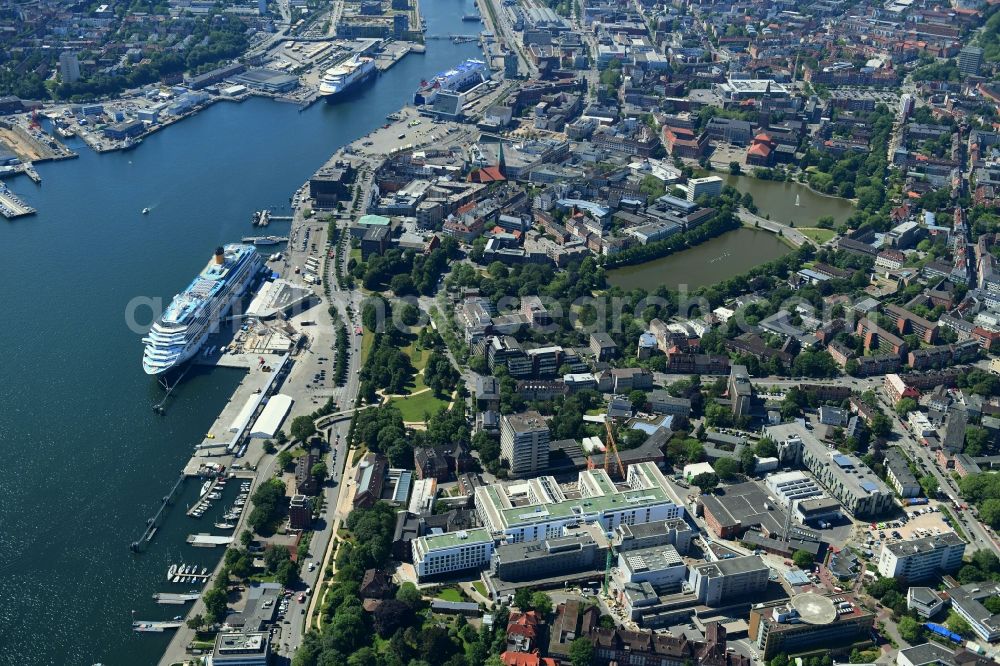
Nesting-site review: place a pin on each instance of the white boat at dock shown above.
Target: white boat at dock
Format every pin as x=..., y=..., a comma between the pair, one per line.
x=225, y=526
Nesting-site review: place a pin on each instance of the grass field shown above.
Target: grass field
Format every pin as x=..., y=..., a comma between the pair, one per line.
x=367, y=338
x=481, y=589
x=450, y=594
x=423, y=402
x=817, y=234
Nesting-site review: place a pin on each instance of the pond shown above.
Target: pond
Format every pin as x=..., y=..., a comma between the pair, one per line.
x=713, y=261
x=789, y=202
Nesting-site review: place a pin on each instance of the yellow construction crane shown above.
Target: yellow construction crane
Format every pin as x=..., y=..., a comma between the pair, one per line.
x=612, y=447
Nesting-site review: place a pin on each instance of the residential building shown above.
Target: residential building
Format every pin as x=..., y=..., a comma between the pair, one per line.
x=922, y=558
x=970, y=59
x=524, y=442
x=539, y=509
x=967, y=600
x=603, y=347
x=898, y=474
x=299, y=512
x=448, y=552
x=718, y=583
x=69, y=67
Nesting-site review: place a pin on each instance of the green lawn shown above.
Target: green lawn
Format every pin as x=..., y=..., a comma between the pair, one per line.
x=481, y=589
x=817, y=234
x=450, y=594
x=414, y=407
x=367, y=338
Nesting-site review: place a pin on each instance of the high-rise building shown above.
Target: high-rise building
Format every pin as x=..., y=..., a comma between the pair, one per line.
x=69, y=67
x=524, y=443
x=709, y=185
x=510, y=70
x=970, y=59
x=400, y=25
x=438, y=554
x=918, y=559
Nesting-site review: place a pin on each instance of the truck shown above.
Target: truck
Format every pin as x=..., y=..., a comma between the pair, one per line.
x=915, y=501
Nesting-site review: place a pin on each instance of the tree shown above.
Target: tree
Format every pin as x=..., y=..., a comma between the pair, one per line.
x=319, y=471
x=542, y=603
x=285, y=459
x=748, y=461
x=905, y=406
x=929, y=484
x=522, y=599
x=196, y=623
x=880, y=425
x=302, y=428
x=706, y=481
x=911, y=631
x=735, y=169
x=975, y=441
x=726, y=468
x=989, y=512
x=390, y=615
x=638, y=399
x=216, y=604
x=581, y=652
x=959, y=625
x=803, y=559
x=246, y=538
x=269, y=446
x=409, y=594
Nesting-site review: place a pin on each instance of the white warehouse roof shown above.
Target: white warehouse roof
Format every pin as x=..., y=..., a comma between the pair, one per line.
x=270, y=418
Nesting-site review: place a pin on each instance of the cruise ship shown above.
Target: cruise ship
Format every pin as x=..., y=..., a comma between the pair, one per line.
x=194, y=313
x=470, y=73
x=349, y=73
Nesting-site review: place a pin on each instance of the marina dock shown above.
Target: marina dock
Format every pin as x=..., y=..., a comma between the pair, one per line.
x=208, y=540
x=203, y=499
x=174, y=599
x=11, y=205
x=155, y=626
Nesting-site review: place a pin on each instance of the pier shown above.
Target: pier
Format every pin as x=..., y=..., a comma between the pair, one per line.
x=265, y=240
x=153, y=523
x=155, y=626
x=203, y=499
x=11, y=205
x=174, y=599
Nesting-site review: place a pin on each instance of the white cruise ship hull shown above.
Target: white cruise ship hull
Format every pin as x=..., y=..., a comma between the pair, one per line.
x=196, y=313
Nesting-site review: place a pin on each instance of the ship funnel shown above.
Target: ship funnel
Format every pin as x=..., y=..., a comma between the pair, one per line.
x=220, y=255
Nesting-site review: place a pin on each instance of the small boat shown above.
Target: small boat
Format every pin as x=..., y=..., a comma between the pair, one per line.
x=204, y=570
x=145, y=211
x=177, y=579
x=215, y=496
x=225, y=526
x=205, y=487
x=171, y=572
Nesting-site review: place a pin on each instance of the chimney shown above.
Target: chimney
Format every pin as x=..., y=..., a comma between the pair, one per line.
x=220, y=256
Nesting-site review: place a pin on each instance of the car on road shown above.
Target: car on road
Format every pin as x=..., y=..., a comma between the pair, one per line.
x=302, y=598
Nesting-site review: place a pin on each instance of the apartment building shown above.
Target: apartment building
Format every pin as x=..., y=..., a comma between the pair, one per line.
x=919, y=559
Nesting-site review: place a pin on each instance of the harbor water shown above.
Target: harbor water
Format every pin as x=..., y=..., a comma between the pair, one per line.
x=85, y=460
